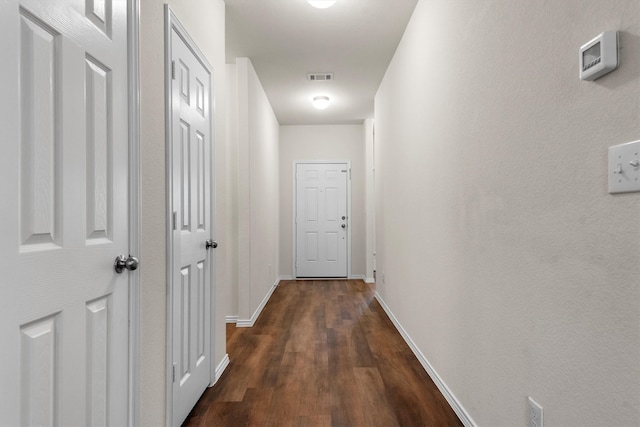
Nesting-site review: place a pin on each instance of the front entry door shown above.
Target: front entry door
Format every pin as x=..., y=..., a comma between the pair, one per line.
x=321, y=219
x=64, y=311
x=191, y=150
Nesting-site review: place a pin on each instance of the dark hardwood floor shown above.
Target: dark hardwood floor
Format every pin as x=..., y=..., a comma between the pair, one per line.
x=322, y=353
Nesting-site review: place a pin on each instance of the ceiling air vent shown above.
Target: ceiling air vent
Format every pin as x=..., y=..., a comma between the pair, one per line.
x=320, y=77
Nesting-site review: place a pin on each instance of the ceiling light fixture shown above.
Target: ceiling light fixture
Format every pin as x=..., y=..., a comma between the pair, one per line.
x=321, y=102
x=321, y=4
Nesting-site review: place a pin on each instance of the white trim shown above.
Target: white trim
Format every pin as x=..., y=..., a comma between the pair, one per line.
x=369, y=280
x=294, y=213
x=357, y=277
x=133, y=65
x=222, y=366
x=231, y=319
x=172, y=23
x=169, y=218
x=295, y=206
x=212, y=186
x=248, y=323
x=349, y=218
x=455, y=404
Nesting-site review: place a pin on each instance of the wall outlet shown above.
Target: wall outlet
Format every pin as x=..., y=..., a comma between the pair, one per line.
x=535, y=414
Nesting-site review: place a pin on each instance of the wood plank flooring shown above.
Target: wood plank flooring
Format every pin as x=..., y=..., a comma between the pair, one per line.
x=322, y=353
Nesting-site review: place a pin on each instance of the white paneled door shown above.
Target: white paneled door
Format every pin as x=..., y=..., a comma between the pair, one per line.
x=321, y=219
x=64, y=311
x=191, y=149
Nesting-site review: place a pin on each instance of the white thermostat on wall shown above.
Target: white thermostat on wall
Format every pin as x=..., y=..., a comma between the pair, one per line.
x=599, y=56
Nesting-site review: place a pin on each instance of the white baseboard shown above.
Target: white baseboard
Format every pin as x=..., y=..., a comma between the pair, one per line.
x=370, y=280
x=248, y=323
x=357, y=276
x=221, y=368
x=446, y=392
x=231, y=319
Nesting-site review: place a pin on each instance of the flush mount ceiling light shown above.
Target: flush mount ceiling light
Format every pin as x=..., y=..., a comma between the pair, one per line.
x=321, y=4
x=321, y=102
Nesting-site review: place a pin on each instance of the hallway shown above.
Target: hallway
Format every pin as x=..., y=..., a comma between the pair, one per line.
x=322, y=353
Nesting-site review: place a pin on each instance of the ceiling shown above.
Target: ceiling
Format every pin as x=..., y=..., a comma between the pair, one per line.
x=288, y=39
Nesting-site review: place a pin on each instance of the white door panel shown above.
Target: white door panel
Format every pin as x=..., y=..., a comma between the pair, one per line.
x=321, y=219
x=191, y=192
x=64, y=117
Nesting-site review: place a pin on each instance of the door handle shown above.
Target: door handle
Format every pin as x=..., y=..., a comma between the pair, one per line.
x=122, y=262
x=344, y=225
x=211, y=244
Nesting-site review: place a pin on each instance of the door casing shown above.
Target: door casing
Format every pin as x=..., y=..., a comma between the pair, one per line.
x=172, y=23
x=133, y=27
x=294, y=208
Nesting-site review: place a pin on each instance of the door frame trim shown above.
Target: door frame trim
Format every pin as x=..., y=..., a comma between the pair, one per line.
x=172, y=23
x=294, y=209
x=133, y=65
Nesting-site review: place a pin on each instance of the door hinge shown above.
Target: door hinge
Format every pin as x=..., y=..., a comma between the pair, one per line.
x=174, y=220
x=173, y=70
x=174, y=372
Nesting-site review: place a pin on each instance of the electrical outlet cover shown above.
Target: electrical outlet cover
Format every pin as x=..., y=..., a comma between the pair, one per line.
x=535, y=414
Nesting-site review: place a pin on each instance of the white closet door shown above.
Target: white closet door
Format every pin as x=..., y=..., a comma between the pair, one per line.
x=191, y=192
x=64, y=120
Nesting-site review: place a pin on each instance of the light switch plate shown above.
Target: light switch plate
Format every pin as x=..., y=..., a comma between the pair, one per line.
x=624, y=168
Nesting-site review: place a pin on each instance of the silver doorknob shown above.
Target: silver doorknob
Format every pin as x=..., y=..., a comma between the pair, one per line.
x=130, y=263
x=211, y=244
